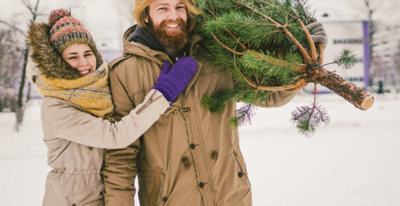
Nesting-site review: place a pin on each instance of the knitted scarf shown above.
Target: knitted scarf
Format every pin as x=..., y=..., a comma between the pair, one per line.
x=90, y=92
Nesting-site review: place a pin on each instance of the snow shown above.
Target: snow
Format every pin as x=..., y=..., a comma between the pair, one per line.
x=352, y=161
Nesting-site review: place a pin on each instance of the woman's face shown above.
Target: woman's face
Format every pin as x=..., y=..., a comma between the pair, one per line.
x=80, y=57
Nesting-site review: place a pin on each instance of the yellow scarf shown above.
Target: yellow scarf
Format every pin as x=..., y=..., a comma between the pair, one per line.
x=90, y=92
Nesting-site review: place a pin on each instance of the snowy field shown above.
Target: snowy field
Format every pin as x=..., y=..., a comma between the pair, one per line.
x=353, y=161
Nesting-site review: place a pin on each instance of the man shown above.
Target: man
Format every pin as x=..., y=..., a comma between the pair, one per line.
x=191, y=156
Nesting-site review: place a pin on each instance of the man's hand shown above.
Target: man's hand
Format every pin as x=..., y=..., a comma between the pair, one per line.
x=172, y=81
x=317, y=32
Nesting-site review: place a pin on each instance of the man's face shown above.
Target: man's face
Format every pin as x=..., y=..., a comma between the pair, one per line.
x=168, y=20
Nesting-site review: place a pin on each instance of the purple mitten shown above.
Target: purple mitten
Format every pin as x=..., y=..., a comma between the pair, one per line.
x=172, y=82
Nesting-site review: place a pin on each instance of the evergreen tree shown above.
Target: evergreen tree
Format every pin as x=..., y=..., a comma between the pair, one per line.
x=266, y=47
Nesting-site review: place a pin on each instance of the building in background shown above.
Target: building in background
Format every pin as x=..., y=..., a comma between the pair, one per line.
x=346, y=33
x=385, y=65
x=376, y=69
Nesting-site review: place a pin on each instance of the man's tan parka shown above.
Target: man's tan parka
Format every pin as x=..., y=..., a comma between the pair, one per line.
x=190, y=156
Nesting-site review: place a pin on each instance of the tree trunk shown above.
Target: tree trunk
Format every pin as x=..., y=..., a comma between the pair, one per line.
x=23, y=77
x=28, y=95
x=355, y=95
x=26, y=55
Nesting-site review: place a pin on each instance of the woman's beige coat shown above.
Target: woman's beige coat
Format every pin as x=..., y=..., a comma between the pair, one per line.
x=75, y=142
x=76, y=139
x=190, y=156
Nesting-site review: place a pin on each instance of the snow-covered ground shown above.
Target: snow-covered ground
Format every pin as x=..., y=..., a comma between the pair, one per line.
x=353, y=161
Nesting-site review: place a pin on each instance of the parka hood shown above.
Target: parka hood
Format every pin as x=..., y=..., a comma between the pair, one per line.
x=47, y=58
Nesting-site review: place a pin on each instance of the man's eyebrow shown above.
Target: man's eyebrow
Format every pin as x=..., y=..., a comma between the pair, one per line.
x=162, y=4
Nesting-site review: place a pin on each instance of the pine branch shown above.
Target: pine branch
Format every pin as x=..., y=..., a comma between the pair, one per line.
x=313, y=50
x=308, y=118
x=236, y=39
x=226, y=47
x=274, y=61
x=321, y=53
x=244, y=115
x=285, y=30
x=347, y=59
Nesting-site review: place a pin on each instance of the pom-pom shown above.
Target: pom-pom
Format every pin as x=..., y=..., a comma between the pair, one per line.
x=57, y=14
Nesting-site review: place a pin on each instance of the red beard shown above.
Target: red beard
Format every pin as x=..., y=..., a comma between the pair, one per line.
x=173, y=40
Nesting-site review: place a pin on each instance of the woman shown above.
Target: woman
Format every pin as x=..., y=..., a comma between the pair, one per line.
x=77, y=105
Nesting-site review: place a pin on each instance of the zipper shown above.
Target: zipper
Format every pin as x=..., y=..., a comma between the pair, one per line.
x=149, y=101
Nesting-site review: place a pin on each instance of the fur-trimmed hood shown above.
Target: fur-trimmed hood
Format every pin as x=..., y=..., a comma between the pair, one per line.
x=47, y=58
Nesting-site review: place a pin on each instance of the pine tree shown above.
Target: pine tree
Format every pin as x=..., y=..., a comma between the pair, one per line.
x=266, y=47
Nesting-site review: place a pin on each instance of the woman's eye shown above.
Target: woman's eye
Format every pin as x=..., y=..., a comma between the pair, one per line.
x=162, y=8
x=89, y=54
x=180, y=7
x=72, y=58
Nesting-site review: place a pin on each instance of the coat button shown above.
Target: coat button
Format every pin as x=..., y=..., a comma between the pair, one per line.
x=214, y=155
x=186, y=162
x=240, y=174
x=201, y=184
x=164, y=199
x=192, y=146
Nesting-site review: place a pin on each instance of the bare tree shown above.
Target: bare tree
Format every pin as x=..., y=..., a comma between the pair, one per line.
x=11, y=55
x=381, y=16
x=396, y=60
x=10, y=58
x=125, y=9
x=14, y=99
x=33, y=9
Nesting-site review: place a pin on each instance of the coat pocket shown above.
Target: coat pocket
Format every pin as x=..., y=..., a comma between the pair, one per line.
x=151, y=186
x=242, y=171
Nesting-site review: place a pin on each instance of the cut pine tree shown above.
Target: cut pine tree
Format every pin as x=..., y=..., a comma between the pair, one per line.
x=267, y=47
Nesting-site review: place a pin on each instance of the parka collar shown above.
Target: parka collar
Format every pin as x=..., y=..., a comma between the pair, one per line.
x=134, y=43
x=141, y=35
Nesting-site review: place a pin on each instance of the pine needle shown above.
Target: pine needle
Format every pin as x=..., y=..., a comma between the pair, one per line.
x=308, y=118
x=244, y=115
x=347, y=59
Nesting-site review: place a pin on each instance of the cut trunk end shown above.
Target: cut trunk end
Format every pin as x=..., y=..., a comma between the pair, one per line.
x=367, y=103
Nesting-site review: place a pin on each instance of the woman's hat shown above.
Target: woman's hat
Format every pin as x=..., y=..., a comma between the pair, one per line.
x=66, y=30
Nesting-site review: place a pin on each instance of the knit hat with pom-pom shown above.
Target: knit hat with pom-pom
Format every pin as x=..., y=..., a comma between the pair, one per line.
x=66, y=30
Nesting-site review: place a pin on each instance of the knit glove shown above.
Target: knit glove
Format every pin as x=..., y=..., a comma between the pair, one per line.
x=172, y=81
x=317, y=33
